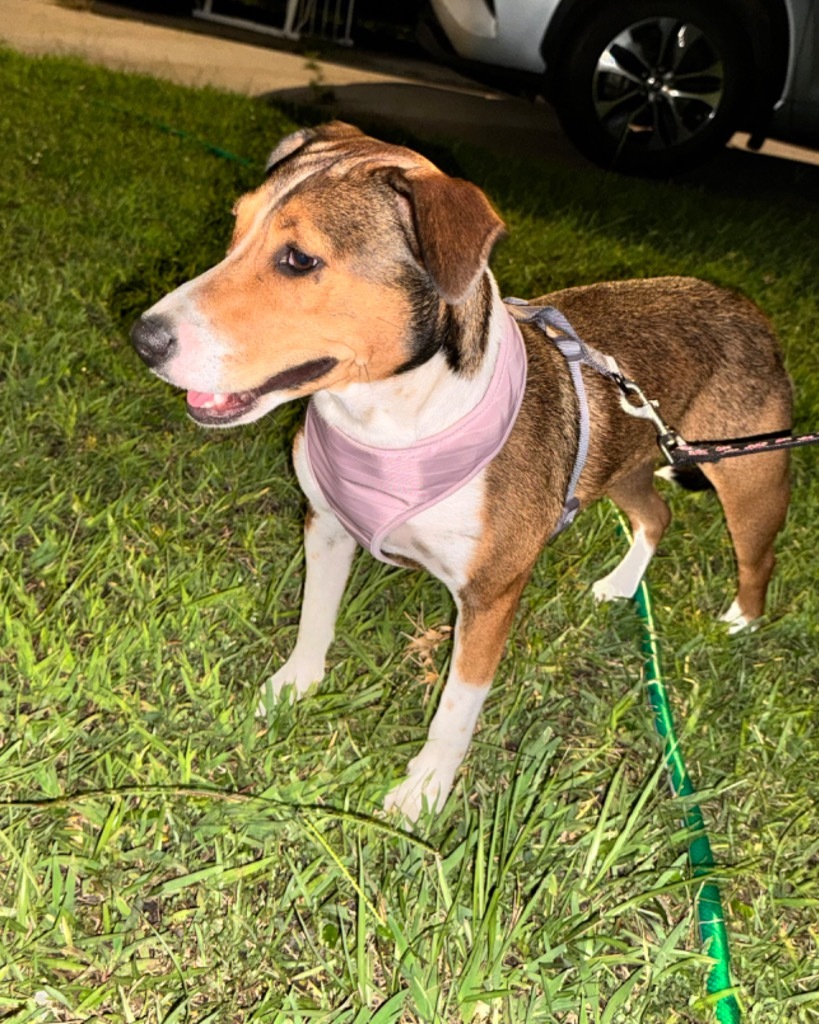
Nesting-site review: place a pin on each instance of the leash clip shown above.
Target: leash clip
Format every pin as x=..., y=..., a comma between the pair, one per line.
x=649, y=409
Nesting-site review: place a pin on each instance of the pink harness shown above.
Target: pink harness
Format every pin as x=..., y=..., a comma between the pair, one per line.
x=375, y=490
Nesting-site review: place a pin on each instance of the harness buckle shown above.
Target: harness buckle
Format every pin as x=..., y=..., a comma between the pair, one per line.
x=649, y=409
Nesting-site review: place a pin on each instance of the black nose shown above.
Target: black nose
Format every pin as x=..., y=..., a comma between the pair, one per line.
x=153, y=339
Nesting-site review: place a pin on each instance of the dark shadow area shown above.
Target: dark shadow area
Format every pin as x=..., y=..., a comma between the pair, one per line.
x=745, y=174
x=160, y=272
x=439, y=107
x=509, y=126
x=502, y=124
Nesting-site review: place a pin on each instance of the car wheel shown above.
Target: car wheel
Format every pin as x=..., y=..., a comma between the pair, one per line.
x=651, y=86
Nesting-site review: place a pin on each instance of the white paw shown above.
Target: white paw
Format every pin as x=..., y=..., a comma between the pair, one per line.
x=737, y=621
x=295, y=677
x=611, y=588
x=430, y=776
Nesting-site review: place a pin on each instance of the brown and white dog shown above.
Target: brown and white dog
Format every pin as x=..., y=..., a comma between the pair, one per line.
x=358, y=274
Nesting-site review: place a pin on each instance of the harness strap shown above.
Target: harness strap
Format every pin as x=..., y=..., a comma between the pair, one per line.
x=575, y=351
x=676, y=450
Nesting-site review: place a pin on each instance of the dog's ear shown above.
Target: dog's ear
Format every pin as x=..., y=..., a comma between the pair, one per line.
x=455, y=226
x=291, y=144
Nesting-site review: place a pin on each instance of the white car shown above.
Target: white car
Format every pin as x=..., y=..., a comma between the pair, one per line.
x=648, y=86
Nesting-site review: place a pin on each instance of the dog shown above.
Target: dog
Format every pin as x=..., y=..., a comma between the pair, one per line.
x=358, y=275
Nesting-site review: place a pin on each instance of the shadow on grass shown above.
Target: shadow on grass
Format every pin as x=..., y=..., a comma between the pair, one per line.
x=511, y=127
x=431, y=114
x=148, y=281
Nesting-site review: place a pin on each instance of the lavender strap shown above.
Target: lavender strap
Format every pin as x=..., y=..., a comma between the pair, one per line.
x=575, y=351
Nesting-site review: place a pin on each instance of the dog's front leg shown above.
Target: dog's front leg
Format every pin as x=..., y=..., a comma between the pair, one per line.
x=328, y=555
x=480, y=636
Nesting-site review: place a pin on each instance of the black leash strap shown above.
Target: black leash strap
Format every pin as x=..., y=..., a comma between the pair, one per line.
x=691, y=452
x=679, y=452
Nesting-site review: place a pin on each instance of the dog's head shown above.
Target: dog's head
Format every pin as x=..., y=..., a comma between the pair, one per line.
x=346, y=265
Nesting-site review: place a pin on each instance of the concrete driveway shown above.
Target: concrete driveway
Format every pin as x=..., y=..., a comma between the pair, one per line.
x=427, y=100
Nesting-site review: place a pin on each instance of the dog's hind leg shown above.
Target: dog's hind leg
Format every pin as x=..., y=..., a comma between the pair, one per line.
x=754, y=491
x=480, y=636
x=649, y=516
x=328, y=555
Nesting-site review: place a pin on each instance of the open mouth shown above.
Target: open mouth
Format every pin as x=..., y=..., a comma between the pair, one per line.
x=214, y=408
x=208, y=408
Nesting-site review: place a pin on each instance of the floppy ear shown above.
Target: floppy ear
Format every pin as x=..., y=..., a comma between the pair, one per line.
x=455, y=226
x=298, y=140
x=289, y=145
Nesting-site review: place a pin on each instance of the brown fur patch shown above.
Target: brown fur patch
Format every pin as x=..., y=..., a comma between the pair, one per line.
x=711, y=359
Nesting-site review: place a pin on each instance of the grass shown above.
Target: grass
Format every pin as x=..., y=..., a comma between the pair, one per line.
x=166, y=857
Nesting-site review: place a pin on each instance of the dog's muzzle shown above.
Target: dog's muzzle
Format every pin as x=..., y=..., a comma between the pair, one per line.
x=153, y=340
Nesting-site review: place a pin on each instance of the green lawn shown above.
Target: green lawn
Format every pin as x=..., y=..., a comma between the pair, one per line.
x=164, y=856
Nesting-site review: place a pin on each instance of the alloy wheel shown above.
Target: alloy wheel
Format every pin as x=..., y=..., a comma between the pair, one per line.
x=658, y=83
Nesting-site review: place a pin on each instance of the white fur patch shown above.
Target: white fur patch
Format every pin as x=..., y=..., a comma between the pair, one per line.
x=328, y=550
x=736, y=620
x=431, y=773
x=624, y=579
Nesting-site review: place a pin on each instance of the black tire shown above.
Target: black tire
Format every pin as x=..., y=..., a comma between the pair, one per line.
x=652, y=87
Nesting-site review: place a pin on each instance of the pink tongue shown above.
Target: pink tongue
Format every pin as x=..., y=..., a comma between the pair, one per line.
x=198, y=399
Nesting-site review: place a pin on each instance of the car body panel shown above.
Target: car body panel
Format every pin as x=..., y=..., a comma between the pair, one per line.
x=797, y=112
x=509, y=38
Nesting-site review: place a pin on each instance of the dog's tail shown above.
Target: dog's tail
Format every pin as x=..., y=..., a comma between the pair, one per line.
x=689, y=477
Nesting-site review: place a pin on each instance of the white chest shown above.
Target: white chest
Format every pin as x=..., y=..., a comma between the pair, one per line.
x=443, y=539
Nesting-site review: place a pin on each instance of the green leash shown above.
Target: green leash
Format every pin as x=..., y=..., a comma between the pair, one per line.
x=210, y=147
x=713, y=933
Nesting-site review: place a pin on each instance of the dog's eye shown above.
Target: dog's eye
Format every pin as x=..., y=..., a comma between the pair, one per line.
x=298, y=261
